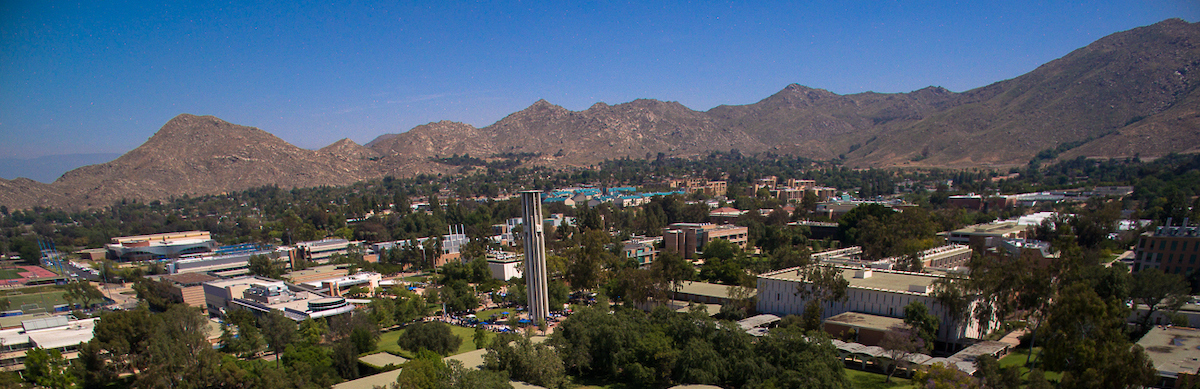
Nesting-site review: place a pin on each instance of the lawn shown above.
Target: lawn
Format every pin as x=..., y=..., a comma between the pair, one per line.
x=866, y=380
x=9, y=274
x=1017, y=358
x=44, y=300
x=387, y=341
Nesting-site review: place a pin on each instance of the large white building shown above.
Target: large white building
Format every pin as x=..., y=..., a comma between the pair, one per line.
x=871, y=291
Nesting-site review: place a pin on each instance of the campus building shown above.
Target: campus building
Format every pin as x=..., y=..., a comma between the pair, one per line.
x=1175, y=352
x=160, y=246
x=51, y=333
x=320, y=251
x=1172, y=249
x=189, y=287
x=873, y=292
x=982, y=236
x=641, y=252
x=262, y=295
x=689, y=238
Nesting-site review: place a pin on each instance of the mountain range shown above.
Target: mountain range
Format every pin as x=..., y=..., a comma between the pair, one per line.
x=1132, y=93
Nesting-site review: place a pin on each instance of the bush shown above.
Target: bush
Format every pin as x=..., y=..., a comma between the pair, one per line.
x=433, y=336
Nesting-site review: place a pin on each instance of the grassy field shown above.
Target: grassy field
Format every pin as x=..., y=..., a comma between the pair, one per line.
x=1017, y=358
x=44, y=300
x=866, y=380
x=9, y=274
x=387, y=341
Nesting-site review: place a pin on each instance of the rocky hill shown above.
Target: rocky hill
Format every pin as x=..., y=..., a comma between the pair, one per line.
x=202, y=155
x=1131, y=93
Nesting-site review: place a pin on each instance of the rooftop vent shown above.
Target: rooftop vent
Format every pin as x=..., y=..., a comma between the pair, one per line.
x=863, y=273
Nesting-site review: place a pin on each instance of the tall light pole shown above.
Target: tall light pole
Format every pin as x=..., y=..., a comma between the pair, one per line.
x=535, y=256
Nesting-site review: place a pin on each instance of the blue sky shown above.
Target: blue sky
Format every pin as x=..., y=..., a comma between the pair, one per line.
x=103, y=76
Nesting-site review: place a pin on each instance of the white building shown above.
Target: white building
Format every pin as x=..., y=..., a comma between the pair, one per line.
x=51, y=333
x=876, y=292
x=505, y=266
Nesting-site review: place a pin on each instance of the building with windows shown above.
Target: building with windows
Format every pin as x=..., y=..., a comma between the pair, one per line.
x=689, y=238
x=1175, y=352
x=319, y=251
x=641, y=252
x=982, y=236
x=262, y=295
x=1172, y=249
x=189, y=287
x=160, y=246
x=51, y=333
x=874, y=292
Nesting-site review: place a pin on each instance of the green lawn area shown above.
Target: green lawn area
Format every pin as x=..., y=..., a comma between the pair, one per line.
x=1017, y=358
x=866, y=380
x=44, y=300
x=387, y=341
x=417, y=278
x=9, y=274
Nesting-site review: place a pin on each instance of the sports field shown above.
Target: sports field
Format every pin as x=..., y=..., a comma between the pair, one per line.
x=10, y=274
x=42, y=299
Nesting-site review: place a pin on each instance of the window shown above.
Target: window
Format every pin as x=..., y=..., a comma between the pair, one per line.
x=1162, y=245
x=1174, y=245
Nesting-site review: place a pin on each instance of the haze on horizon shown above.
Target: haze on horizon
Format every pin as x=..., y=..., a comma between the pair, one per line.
x=102, y=77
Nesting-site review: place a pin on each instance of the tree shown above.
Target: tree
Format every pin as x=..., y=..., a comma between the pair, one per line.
x=900, y=343
x=992, y=376
x=83, y=292
x=279, y=331
x=923, y=323
x=433, y=336
x=1157, y=290
x=940, y=376
x=537, y=364
x=672, y=269
x=1088, y=343
x=265, y=266
x=48, y=368
x=178, y=350
x=821, y=284
x=426, y=371
x=157, y=294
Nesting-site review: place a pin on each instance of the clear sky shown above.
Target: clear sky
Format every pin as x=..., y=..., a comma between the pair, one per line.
x=103, y=76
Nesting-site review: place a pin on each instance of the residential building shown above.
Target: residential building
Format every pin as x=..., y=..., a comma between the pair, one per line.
x=875, y=292
x=688, y=238
x=1172, y=249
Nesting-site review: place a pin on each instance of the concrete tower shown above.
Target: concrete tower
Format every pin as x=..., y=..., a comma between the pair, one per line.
x=535, y=255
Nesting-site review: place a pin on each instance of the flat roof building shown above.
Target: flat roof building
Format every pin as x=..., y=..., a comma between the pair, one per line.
x=1175, y=352
x=262, y=295
x=875, y=292
x=688, y=238
x=51, y=333
x=160, y=246
x=1172, y=249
